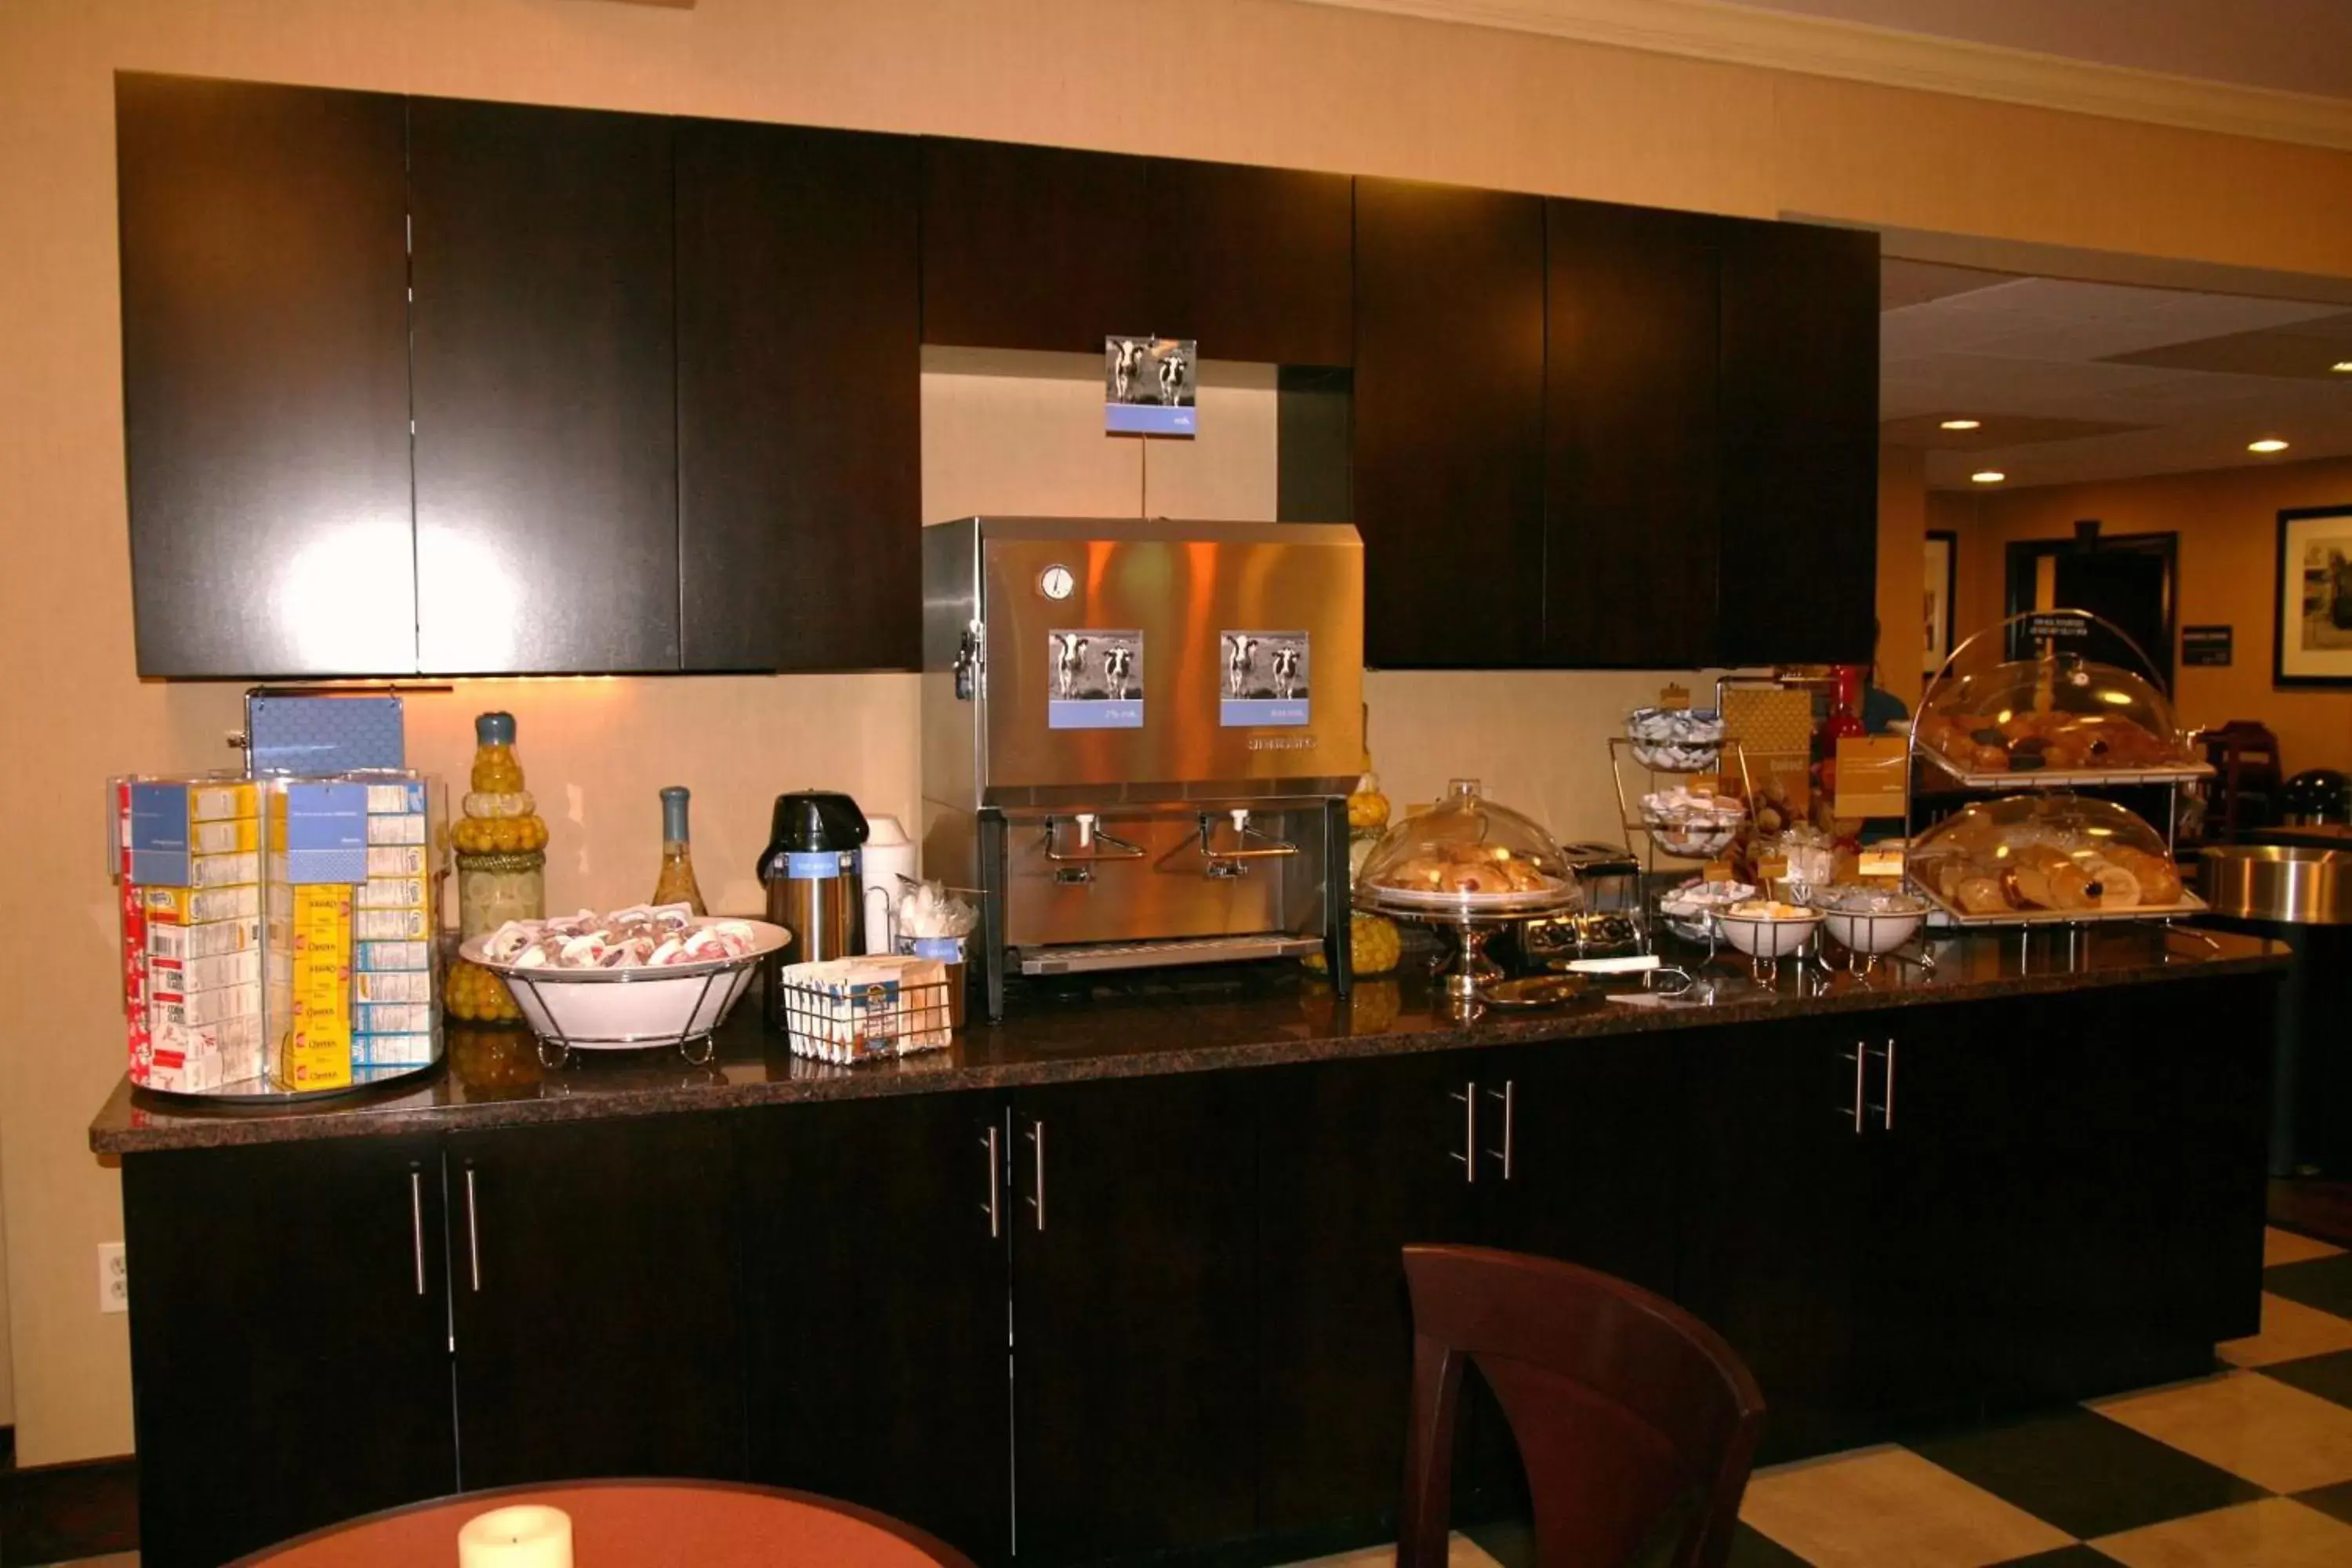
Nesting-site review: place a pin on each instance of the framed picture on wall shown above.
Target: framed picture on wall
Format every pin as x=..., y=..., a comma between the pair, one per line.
x=1943, y=572
x=2312, y=630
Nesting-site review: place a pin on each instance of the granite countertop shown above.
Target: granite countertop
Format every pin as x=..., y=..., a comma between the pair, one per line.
x=1257, y=1017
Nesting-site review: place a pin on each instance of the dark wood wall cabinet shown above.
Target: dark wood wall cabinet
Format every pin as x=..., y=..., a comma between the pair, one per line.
x=1449, y=423
x=265, y=377
x=664, y=376
x=1051, y=248
x=546, y=423
x=1164, y=1317
x=799, y=398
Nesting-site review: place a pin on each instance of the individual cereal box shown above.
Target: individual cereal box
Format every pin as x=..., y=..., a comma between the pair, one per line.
x=396, y=985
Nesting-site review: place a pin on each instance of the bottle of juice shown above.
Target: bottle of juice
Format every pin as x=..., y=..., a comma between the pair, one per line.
x=676, y=884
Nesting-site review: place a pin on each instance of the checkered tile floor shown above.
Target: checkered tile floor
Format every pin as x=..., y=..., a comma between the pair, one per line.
x=2249, y=1469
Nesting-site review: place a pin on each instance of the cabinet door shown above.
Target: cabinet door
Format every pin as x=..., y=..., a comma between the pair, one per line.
x=1629, y=437
x=1356, y=1160
x=1449, y=423
x=1800, y=476
x=1032, y=248
x=1134, y=1317
x=265, y=377
x=1772, y=1148
x=2126, y=1202
x=289, y=1296
x=879, y=1338
x=1941, y=1099
x=1255, y=263
x=545, y=388
x=1580, y=1143
x=799, y=406
x=594, y=1280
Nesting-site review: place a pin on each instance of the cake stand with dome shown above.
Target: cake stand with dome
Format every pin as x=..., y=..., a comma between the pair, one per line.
x=1473, y=868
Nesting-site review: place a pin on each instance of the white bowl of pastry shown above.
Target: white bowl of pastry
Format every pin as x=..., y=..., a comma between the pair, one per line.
x=1764, y=927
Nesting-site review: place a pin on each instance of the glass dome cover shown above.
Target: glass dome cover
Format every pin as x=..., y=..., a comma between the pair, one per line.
x=2058, y=713
x=2032, y=855
x=1467, y=852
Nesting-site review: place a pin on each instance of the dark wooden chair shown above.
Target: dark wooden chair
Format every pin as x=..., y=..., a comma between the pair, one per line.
x=1637, y=1424
x=2245, y=757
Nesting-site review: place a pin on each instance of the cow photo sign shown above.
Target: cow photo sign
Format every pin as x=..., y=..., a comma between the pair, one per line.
x=1097, y=679
x=1266, y=678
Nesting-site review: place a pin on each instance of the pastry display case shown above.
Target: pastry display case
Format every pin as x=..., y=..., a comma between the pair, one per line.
x=2052, y=858
x=2059, y=719
x=1472, y=866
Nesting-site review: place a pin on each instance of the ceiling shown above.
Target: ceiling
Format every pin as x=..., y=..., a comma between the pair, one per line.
x=2076, y=381
x=2291, y=45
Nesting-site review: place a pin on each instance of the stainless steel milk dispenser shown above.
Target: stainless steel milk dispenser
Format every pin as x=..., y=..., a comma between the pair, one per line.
x=1139, y=738
x=812, y=872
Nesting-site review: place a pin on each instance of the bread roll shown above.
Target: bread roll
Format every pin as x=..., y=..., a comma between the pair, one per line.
x=2070, y=889
x=2158, y=878
x=1983, y=896
x=2113, y=887
x=2029, y=886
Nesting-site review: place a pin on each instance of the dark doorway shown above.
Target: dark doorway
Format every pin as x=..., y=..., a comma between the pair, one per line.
x=2124, y=579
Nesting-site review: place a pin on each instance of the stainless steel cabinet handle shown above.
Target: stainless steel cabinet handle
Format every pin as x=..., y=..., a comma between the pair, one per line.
x=473, y=1232
x=1886, y=1111
x=1469, y=1152
x=995, y=1219
x=1038, y=1198
x=1510, y=1125
x=416, y=1221
x=1860, y=1058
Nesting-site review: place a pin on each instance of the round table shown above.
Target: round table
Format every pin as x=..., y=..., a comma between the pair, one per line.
x=635, y=1524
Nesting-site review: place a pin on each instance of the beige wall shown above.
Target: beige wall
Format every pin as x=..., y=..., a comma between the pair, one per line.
x=1902, y=583
x=1264, y=81
x=2228, y=524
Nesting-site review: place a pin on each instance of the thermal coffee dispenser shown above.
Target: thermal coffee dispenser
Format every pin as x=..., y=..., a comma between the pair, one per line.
x=811, y=869
x=1139, y=739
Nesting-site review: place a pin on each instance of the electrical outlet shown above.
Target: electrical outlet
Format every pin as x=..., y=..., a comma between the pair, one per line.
x=114, y=1279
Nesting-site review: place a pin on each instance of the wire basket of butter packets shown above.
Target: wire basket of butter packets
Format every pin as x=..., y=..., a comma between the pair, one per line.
x=848, y=1010
x=1676, y=740
x=1693, y=823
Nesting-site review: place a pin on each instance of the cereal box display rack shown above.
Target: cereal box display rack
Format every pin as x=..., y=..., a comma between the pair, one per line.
x=279, y=934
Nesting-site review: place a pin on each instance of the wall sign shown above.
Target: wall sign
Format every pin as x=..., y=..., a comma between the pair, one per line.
x=1097, y=679
x=2057, y=625
x=1148, y=385
x=2205, y=644
x=1264, y=679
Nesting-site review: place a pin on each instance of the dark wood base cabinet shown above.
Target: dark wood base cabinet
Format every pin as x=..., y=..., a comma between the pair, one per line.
x=1163, y=1318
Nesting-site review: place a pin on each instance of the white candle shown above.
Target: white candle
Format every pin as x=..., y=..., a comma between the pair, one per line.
x=525, y=1536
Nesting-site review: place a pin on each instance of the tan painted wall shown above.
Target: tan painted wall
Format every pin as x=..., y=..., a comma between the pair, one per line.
x=1901, y=542
x=1264, y=81
x=2227, y=524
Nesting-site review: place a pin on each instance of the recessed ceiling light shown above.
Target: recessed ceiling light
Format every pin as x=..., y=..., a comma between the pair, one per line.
x=1967, y=424
x=1988, y=476
x=2267, y=444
